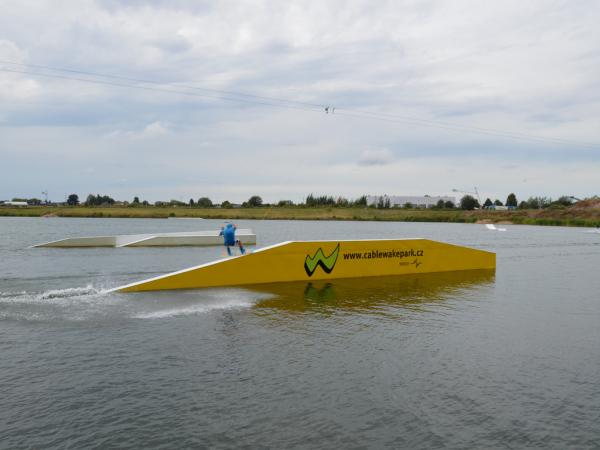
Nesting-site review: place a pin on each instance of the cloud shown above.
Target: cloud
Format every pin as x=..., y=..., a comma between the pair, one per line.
x=153, y=130
x=375, y=158
x=10, y=51
x=468, y=63
x=15, y=86
x=150, y=131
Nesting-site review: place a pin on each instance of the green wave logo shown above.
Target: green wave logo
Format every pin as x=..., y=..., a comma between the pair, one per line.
x=327, y=263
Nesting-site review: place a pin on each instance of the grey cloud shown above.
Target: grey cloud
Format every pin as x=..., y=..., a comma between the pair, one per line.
x=532, y=71
x=173, y=44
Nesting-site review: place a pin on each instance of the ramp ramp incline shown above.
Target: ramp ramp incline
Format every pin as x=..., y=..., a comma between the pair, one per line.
x=317, y=260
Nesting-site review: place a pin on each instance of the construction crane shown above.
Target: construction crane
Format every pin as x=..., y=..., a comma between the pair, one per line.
x=476, y=193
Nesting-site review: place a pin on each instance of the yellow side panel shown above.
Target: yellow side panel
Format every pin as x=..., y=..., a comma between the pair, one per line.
x=318, y=260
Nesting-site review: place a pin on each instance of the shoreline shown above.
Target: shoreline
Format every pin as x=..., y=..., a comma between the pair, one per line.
x=574, y=217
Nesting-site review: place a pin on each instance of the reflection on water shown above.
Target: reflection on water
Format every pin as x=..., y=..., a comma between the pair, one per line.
x=373, y=293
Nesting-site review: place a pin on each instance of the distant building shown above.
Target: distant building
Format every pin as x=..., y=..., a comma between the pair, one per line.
x=416, y=201
x=15, y=203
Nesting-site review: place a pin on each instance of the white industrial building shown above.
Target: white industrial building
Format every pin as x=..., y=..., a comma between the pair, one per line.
x=417, y=201
x=7, y=203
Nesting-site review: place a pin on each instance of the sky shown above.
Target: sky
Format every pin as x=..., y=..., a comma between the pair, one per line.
x=226, y=99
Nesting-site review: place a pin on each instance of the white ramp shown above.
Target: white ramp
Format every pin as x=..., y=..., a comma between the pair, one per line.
x=186, y=238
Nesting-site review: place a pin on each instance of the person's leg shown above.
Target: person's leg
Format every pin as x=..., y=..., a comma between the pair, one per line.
x=229, y=250
x=242, y=249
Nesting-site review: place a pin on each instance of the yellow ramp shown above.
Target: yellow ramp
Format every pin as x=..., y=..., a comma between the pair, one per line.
x=318, y=260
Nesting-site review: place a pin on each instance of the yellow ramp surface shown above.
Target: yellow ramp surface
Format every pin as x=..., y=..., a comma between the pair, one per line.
x=318, y=260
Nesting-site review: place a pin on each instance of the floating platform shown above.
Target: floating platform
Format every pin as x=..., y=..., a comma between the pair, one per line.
x=186, y=238
x=321, y=260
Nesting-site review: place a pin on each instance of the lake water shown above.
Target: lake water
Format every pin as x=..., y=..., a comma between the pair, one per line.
x=480, y=360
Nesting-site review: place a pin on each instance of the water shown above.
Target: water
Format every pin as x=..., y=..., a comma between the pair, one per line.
x=479, y=360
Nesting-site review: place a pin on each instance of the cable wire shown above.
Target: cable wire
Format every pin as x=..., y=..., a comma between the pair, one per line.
x=232, y=96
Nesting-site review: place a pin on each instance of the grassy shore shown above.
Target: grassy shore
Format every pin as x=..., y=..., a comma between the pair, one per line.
x=572, y=216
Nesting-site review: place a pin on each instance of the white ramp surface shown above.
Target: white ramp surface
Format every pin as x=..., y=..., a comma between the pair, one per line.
x=186, y=238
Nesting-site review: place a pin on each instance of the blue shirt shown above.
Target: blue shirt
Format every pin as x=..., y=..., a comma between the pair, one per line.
x=228, y=234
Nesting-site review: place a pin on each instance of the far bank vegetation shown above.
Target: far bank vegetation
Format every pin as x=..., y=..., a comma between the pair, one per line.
x=565, y=210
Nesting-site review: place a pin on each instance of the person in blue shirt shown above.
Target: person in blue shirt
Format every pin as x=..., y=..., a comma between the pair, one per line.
x=229, y=240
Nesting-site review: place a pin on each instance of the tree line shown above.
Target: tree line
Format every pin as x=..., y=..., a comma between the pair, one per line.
x=467, y=202
x=254, y=201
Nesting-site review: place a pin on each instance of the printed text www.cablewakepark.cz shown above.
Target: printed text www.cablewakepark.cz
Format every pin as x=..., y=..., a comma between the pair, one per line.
x=378, y=254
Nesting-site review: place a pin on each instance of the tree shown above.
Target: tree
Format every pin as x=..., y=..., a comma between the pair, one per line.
x=383, y=202
x=487, y=203
x=408, y=205
x=468, y=203
x=285, y=203
x=204, y=202
x=533, y=203
x=342, y=202
x=191, y=202
x=226, y=204
x=255, y=201
x=511, y=200
x=73, y=200
x=136, y=201
x=90, y=200
x=564, y=200
x=322, y=200
x=98, y=200
x=498, y=203
x=439, y=204
x=538, y=202
x=449, y=204
x=361, y=201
